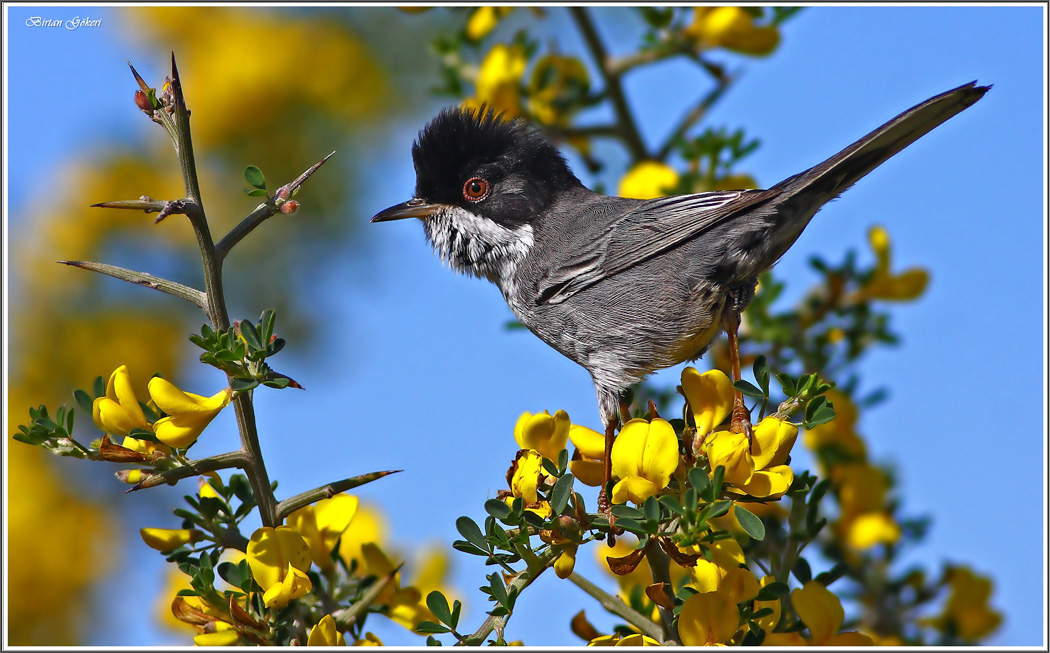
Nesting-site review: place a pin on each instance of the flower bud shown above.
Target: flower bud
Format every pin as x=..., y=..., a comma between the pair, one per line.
x=142, y=102
x=289, y=207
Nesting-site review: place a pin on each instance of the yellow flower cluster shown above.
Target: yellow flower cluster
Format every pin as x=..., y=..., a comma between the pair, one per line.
x=732, y=28
x=187, y=414
x=885, y=285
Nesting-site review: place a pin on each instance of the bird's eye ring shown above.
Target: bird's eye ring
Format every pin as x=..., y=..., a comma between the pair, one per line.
x=476, y=189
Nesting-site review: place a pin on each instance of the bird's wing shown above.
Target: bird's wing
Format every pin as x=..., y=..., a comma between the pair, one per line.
x=643, y=232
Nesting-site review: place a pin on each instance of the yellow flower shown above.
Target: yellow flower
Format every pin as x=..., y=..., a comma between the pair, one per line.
x=822, y=613
x=188, y=414
x=322, y=524
x=366, y=526
x=279, y=559
x=636, y=639
x=732, y=28
x=556, y=83
x=483, y=20
x=763, y=473
x=369, y=640
x=119, y=412
x=966, y=611
x=224, y=636
x=566, y=562
x=590, y=445
x=325, y=633
x=707, y=619
x=169, y=539
x=499, y=80
x=710, y=397
x=866, y=530
x=526, y=475
x=644, y=456
x=543, y=433
x=648, y=179
x=906, y=286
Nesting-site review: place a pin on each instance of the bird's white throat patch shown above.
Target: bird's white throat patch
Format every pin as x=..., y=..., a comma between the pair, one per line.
x=474, y=245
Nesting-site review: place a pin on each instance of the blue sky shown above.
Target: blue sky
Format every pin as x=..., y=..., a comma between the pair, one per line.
x=964, y=425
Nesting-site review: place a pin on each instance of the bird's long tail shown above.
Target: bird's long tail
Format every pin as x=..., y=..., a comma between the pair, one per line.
x=827, y=180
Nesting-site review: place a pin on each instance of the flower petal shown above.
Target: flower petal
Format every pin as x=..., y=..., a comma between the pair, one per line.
x=325, y=633
x=588, y=472
x=174, y=401
x=588, y=442
x=771, y=482
x=628, y=448
x=730, y=450
x=773, y=439
x=708, y=618
x=819, y=609
x=660, y=457
x=710, y=397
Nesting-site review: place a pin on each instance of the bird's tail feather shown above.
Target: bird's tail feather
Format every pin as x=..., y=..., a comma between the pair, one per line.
x=829, y=179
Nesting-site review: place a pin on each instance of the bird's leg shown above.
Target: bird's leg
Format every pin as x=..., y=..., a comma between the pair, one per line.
x=741, y=417
x=604, y=505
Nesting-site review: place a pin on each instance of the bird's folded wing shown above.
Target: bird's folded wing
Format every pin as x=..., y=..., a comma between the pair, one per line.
x=653, y=227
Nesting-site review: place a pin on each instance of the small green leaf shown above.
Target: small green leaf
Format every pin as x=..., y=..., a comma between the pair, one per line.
x=751, y=524
x=699, y=479
x=787, y=384
x=802, y=571
x=626, y=511
x=497, y=509
x=255, y=177
x=438, y=605
x=84, y=400
x=243, y=385
x=426, y=627
x=651, y=508
x=672, y=504
x=256, y=192
x=560, y=494
x=719, y=508
x=470, y=531
x=772, y=592
x=630, y=525
x=748, y=389
x=761, y=370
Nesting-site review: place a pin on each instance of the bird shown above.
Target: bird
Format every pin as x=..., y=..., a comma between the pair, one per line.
x=622, y=286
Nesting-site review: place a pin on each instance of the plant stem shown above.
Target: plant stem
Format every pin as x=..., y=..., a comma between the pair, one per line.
x=291, y=504
x=192, y=295
x=524, y=579
x=659, y=565
x=615, y=605
x=627, y=128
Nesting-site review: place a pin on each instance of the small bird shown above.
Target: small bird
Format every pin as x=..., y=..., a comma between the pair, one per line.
x=624, y=287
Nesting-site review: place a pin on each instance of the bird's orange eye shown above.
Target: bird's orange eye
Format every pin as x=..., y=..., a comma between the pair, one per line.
x=476, y=189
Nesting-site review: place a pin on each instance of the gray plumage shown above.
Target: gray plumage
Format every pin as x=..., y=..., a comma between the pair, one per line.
x=623, y=287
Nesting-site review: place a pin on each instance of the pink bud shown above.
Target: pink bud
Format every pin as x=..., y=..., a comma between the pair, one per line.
x=289, y=207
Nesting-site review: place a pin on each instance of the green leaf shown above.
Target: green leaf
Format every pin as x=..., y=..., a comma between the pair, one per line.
x=751, y=524
x=250, y=334
x=427, y=627
x=626, y=511
x=719, y=508
x=255, y=177
x=699, y=479
x=772, y=592
x=497, y=509
x=256, y=192
x=748, y=389
x=651, y=508
x=560, y=494
x=471, y=532
x=84, y=400
x=433, y=641
x=787, y=384
x=672, y=504
x=802, y=571
x=630, y=525
x=467, y=547
x=716, y=482
x=99, y=387
x=438, y=604
x=761, y=370
x=243, y=385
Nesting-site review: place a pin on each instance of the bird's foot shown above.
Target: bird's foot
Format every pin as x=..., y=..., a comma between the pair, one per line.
x=741, y=422
x=605, y=508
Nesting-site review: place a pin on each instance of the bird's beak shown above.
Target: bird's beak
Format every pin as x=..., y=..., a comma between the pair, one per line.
x=413, y=208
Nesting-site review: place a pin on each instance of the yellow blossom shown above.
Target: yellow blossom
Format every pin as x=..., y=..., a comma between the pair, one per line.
x=636, y=639
x=118, y=412
x=223, y=637
x=884, y=285
x=543, y=433
x=707, y=619
x=566, y=562
x=325, y=633
x=822, y=613
x=368, y=525
x=769, y=622
x=868, y=529
x=526, y=474
x=279, y=559
x=555, y=83
x=483, y=20
x=499, y=80
x=759, y=474
x=590, y=445
x=188, y=414
x=644, y=456
x=369, y=640
x=169, y=539
x=732, y=28
x=710, y=397
x=322, y=524
x=966, y=612
x=647, y=180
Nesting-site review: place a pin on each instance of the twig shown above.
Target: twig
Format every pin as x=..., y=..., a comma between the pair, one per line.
x=193, y=468
x=628, y=130
x=192, y=295
x=291, y=504
x=346, y=618
x=694, y=116
x=615, y=605
x=523, y=580
x=261, y=213
x=659, y=565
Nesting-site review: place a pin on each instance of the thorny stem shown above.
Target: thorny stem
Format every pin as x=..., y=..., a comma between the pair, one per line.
x=291, y=504
x=616, y=606
x=628, y=130
x=193, y=468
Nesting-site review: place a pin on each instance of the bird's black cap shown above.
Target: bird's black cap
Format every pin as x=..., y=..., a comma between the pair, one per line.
x=524, y=169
